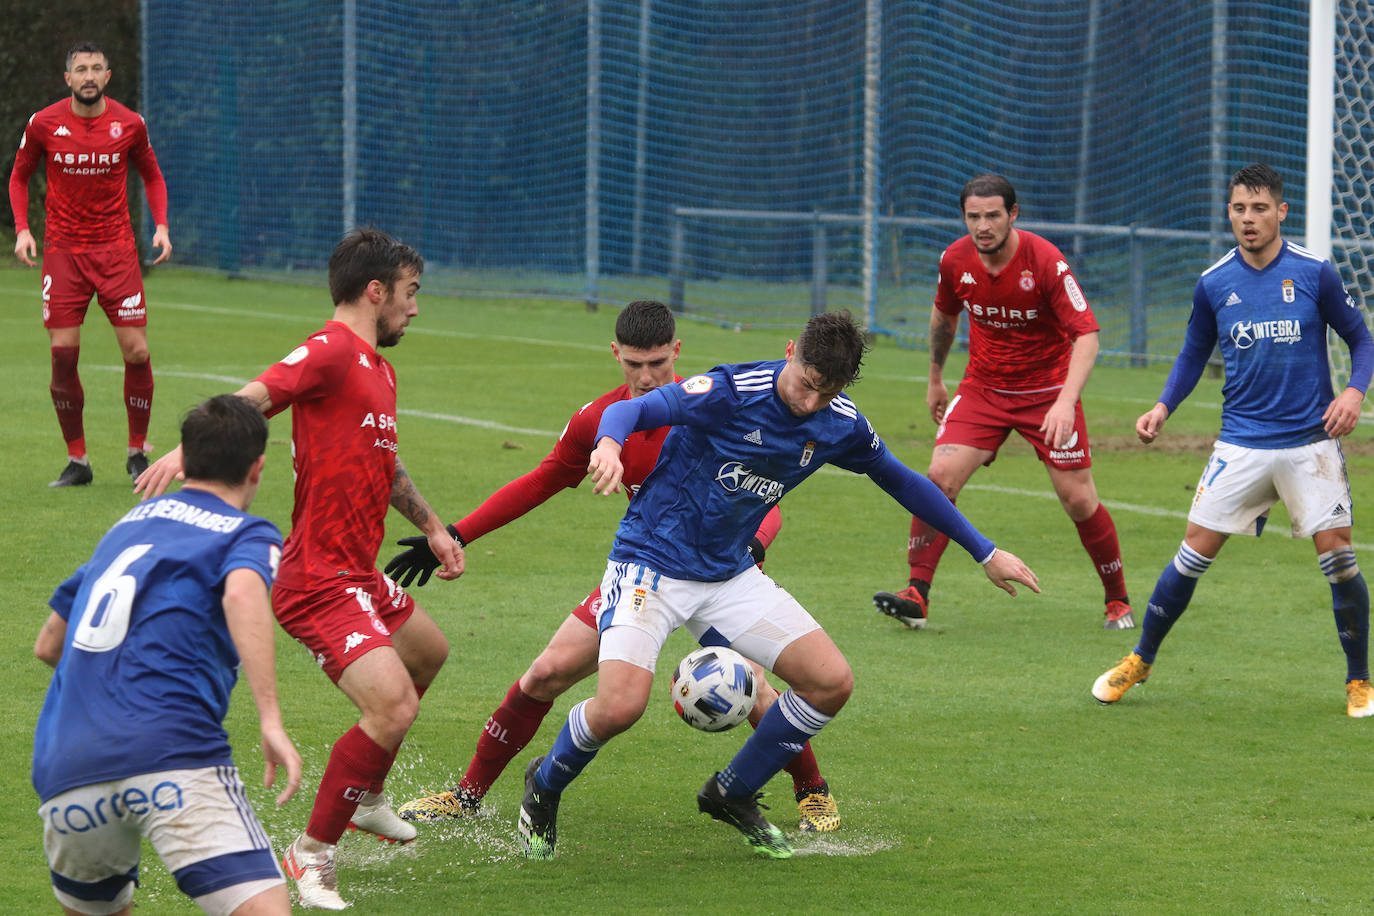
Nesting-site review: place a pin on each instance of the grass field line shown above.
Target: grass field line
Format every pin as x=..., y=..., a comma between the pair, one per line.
x=552, y=434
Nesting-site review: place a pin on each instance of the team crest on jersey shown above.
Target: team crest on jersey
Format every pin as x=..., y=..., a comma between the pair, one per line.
x=116, y=130
x=697, y=384
x=807, y=453
x=1027, y=281
x=641, y=597
x=1289, y=294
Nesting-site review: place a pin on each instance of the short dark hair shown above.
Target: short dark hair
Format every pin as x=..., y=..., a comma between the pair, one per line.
x=645, y=324
x=85, y=47
x=368, y=254
x=221, y=438
x=834, y=345
x=1257, y=177
x=988, y=185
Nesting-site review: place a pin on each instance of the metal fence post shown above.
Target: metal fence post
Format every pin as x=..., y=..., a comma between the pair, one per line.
x=678, y=244
x=819, y=265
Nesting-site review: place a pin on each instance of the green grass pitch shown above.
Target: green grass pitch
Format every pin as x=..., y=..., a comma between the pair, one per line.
x=973, y=770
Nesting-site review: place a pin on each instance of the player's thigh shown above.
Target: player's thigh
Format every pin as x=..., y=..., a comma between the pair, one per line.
x=118, y=282
x=972, y=421
x=813, y=665
x=648, y=606
x=92, y=843
x=343, y=620
x=1027, y=414
x=421, y=644
x=1314, y=486
x=951, y=465
x=133, y=342
x=380, y=686
x=570, y=656
x=65, y=289
x=1236, y=490
x=753, y=615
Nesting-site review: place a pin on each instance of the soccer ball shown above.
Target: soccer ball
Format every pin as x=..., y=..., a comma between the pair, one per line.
x=713, y=689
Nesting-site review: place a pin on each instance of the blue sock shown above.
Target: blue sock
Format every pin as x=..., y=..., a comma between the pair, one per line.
x=789, y=723
x=1350, y=604
x=572, y=750
x=1173, y=591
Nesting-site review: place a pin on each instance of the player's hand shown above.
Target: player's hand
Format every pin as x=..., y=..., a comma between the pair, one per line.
x=163, y=242
x=449, y=552
x=937, y=399
x=25, y=248
x=160, y=474
x=757, y=551
x=1005, y=568
x=605, y=467
x=1149, y=424
x=277, y=750
x=417, y=560
x=1342, y=414
x=1058, y=425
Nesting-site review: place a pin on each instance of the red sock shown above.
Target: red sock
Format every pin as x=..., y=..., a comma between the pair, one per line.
x=353, y=767
x=138, y=401
x=924, y=549
x=1098, y=534
x=804, y=770
x=507, y=732
x=68, y=399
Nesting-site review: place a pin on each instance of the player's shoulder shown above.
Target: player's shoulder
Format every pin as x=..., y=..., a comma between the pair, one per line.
x=119, y=111
x=591, y=411
x=50, y=115
x=1042, y=252
x=958, y=250
x=1305, y=258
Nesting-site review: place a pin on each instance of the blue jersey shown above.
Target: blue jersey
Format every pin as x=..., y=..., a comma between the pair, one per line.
x=733, y=452
x=144, y=679
x=1271, y=326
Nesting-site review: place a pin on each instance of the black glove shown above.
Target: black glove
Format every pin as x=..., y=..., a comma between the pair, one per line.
x=417, y=559
x=755, y=548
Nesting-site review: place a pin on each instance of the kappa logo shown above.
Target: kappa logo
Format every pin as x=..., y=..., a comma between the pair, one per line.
x=362, y=361
x=967, y=278
x=61, y=131
x=1061, y=268
x=1232, y=299
x=354, y=640
x=755, y=437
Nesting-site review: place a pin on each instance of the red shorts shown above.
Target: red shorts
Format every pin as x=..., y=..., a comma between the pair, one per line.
x=983, y=418
x=588, y=609
x=111, y=274
x=345, y=620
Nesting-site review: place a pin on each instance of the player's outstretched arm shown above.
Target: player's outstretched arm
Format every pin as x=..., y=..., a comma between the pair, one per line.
x=25, y=248
x=604, y=466
x=1149, y=424
x=1004, y=568
x=248, y=613
x=1343, y=414
x=406, y=498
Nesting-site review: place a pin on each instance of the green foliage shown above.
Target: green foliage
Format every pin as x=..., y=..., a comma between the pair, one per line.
x=973, y=771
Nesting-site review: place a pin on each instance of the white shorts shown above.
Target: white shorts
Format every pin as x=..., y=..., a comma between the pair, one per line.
x=199, y=822
x=1240, y=485
x=750, y=613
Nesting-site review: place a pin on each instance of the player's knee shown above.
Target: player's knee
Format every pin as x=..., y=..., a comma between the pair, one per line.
x=550, y=675
x=137, y=355
x=609, y=716
x=947, y=483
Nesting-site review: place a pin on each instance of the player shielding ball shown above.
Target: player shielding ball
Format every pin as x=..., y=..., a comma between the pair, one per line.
x=85, y=145
x=1267, y=303
x=147, y=638
x=646, y=348
x=368, y=636
x=743, y=437
x=1032, y=345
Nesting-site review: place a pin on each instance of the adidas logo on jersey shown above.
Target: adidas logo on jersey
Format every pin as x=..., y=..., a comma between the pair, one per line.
x=755, y=437
x=354, y=640
x=967, y=278
x=1232, y=299
x=61, y=131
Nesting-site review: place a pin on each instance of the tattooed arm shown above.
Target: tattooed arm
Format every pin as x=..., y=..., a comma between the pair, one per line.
x=942, y=330
x=408, y=501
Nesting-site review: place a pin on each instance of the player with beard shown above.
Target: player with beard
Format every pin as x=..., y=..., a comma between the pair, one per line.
x=86, y=144
x=368, y=635
x=1032, y=343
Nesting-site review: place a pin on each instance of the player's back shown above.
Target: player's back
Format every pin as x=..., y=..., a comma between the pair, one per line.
x=146, y=671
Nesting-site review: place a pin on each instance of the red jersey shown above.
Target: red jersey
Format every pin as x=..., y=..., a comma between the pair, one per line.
x=342, y=396
x=566, y=466
x=87, y=161
x=1022, y=321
